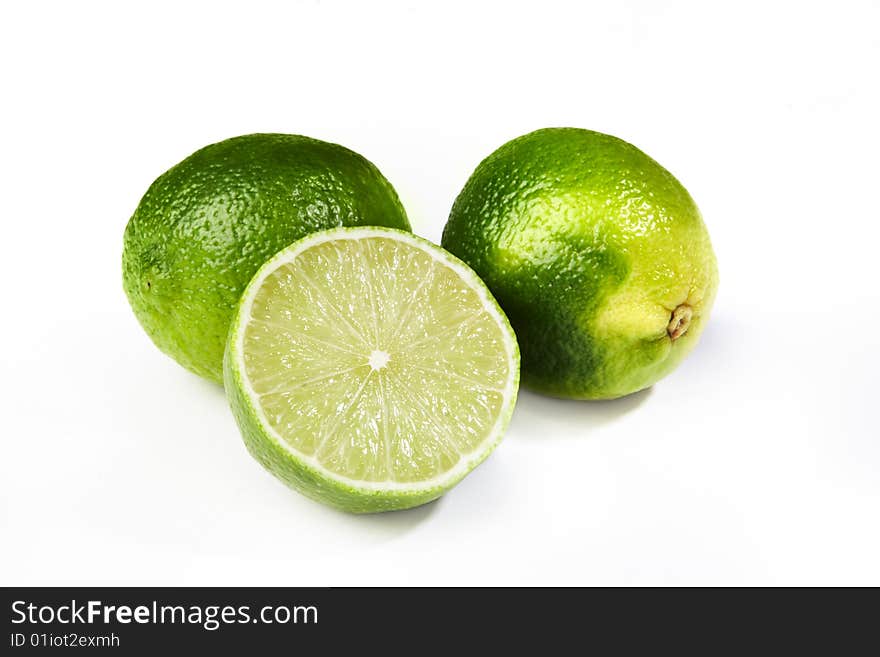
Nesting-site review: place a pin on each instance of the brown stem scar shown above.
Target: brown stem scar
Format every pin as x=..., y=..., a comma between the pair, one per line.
x=680, y=321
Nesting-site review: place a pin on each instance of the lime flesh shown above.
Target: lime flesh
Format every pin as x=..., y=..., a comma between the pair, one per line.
x=369, y=369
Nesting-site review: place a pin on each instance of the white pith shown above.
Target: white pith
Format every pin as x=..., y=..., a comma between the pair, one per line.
x=378, y=359
x=467, y=460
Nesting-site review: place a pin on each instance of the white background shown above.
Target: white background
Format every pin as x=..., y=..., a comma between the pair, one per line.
x=757, y=462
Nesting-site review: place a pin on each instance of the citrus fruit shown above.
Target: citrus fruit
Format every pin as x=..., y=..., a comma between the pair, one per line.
x=206, y=225
x=597, y=254
x=369, y=369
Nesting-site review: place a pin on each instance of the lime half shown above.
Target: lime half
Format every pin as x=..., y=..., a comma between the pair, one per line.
x=370, y=369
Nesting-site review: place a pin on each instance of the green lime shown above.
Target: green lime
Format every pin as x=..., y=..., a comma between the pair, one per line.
x=369, y=369
x=206, y=225
x=598, y=255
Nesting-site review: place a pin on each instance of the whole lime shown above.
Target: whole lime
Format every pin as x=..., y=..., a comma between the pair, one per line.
x=597, y=254
x=206, y=225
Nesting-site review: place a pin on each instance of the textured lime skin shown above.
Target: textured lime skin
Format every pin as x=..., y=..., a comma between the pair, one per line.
x=589, y=245
x=310, y=481
x=206, y=225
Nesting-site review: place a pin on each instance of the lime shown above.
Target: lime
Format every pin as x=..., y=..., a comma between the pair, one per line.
x=598, y=255
x=369, y=369
x=206, y=225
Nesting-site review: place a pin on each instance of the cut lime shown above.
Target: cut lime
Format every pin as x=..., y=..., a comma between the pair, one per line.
x=369, y=369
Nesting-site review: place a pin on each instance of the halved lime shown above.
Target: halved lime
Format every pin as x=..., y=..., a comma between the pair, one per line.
x=370, y=369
